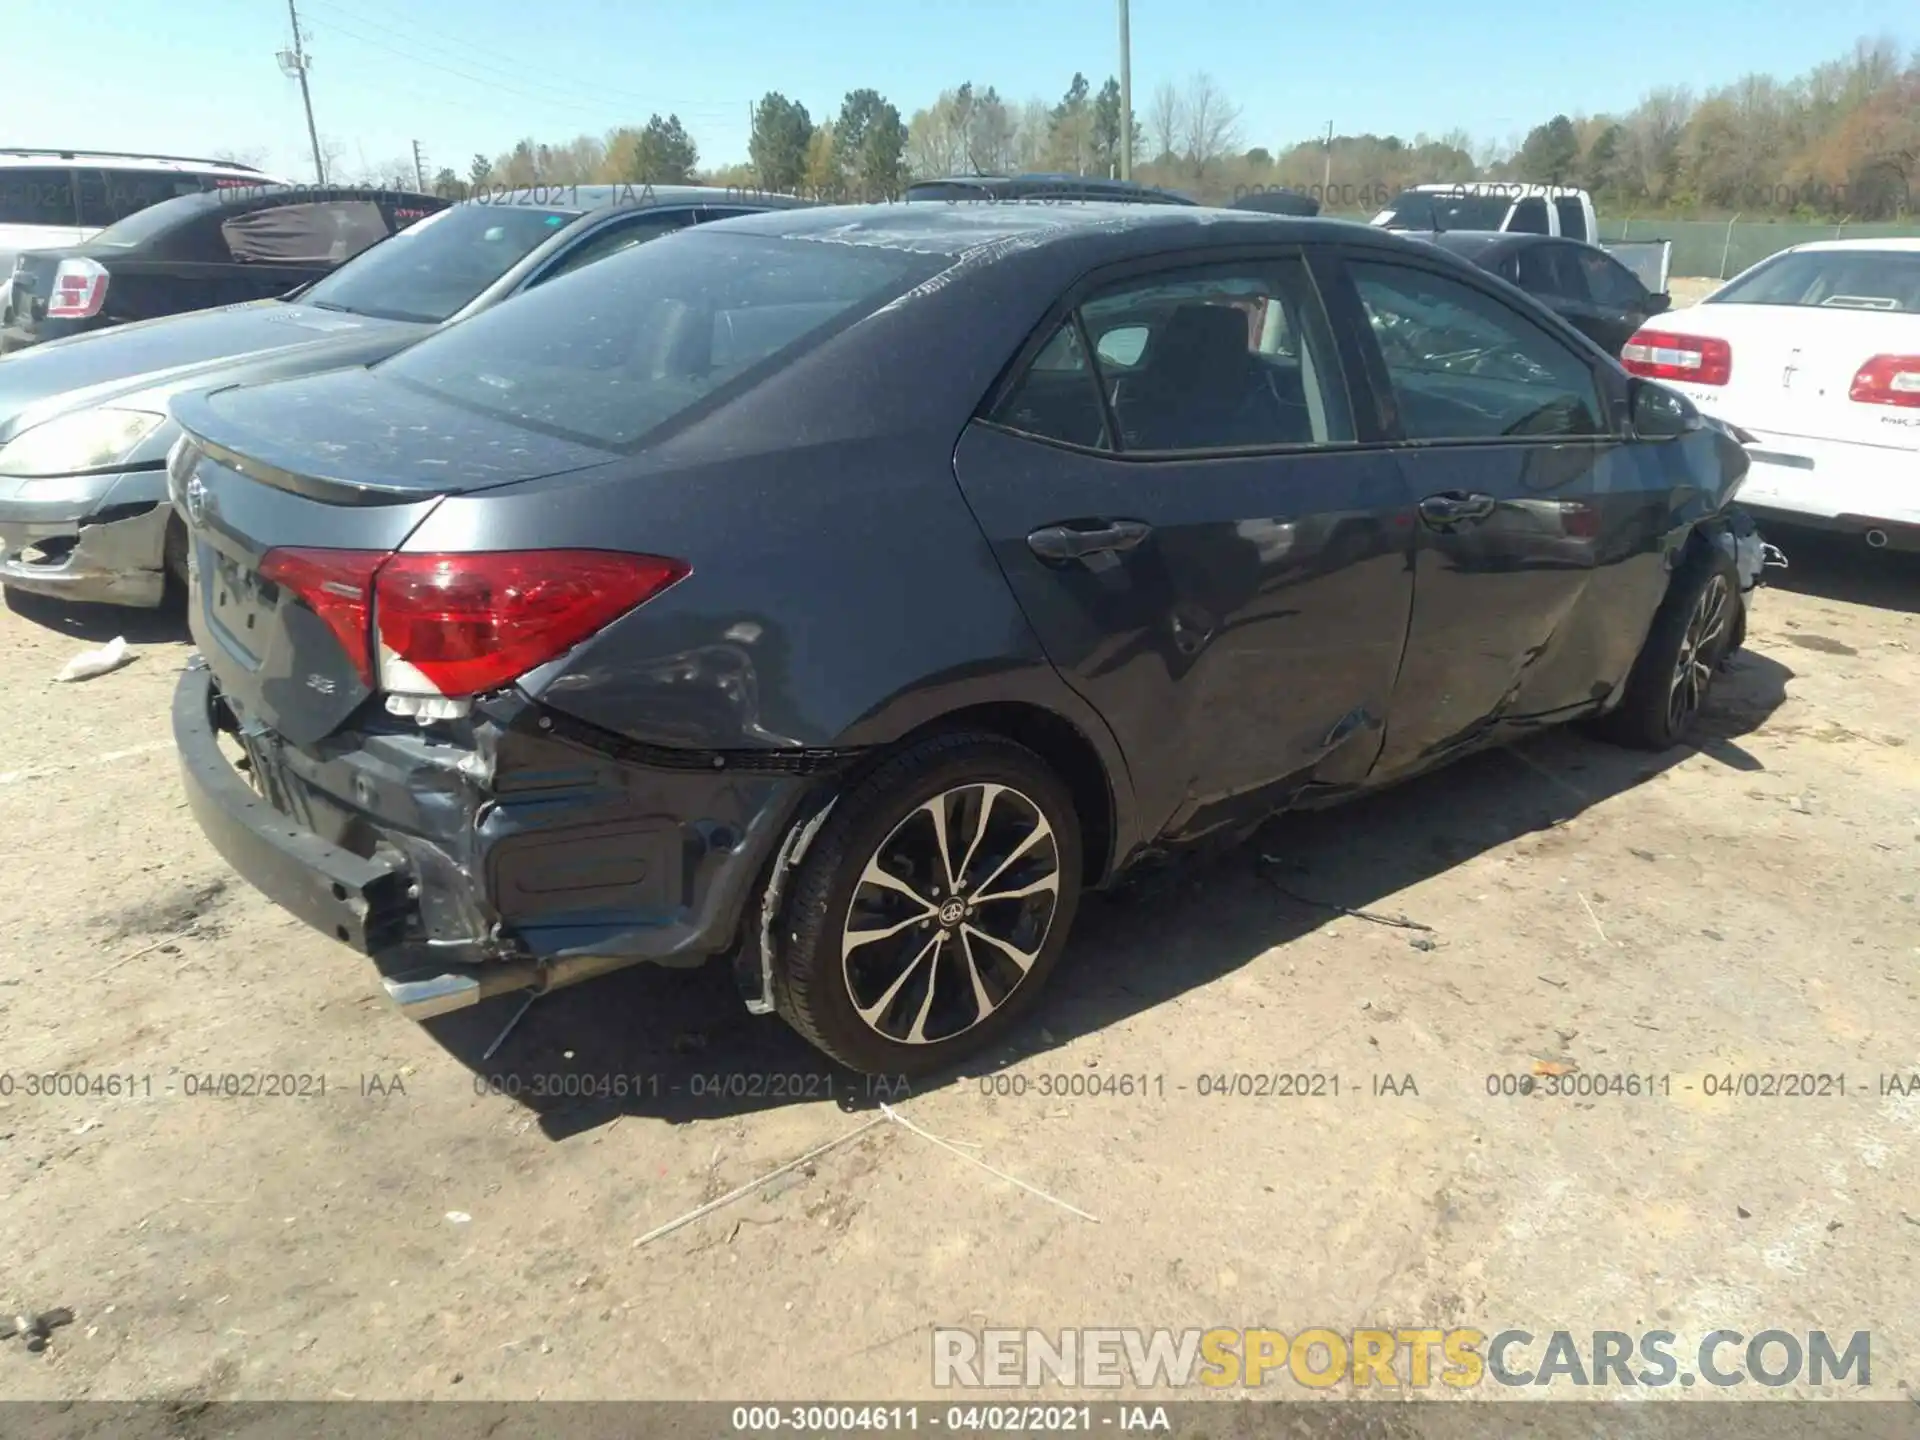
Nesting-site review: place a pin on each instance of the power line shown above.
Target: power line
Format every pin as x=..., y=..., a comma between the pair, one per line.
x=529, y=90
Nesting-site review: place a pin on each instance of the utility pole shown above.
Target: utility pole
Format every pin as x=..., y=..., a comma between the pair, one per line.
x=1126, y=98
x=419, y=167
x=1326, y=177
x=294, y=62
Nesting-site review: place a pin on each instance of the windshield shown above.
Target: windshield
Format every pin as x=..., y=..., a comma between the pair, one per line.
x=1834, y=279
x=1442, y=210
x=432, y=268
x=609, y=353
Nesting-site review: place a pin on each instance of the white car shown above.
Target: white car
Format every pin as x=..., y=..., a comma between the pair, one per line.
x=54, y=198
x=1815, y=354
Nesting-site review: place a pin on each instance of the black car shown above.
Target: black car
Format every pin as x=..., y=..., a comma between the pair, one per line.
x=846, y=590
x=1041, y=189
x=194, y=252
x=1276, y=200
x=1581, y=283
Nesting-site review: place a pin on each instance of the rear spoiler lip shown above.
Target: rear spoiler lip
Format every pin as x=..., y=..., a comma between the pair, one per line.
x=191, y=411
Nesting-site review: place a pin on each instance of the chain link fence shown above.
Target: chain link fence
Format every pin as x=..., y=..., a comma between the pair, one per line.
x=1721, y=249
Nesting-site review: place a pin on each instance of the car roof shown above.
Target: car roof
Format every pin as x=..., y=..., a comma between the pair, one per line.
x=180, y=206
x=1039, y=182
x=583, y=198
x=1904, y=243
x=1105, y=229
x=124, y=160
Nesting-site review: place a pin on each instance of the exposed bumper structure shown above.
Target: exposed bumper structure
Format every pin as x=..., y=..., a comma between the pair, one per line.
x=51, y=542
x=483, y=889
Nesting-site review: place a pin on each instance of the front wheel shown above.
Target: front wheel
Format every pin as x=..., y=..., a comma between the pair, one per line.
x=1693, y=632
x=932, y=906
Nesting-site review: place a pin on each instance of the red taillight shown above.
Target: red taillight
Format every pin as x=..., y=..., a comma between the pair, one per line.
x=79, y=290
x=1888, y=380
x=1666, y=355
x=338, y=587
x=458, y=625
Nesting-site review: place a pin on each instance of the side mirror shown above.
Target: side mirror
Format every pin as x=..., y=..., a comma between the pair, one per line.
x=1659, y=413
x=1659, y=303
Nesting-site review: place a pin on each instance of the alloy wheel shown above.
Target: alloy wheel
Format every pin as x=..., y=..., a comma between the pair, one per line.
x=950, y=913
x=1699, y=650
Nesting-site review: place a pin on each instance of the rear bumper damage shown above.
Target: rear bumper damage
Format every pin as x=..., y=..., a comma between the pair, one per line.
x=107, y=547
x=497, y=859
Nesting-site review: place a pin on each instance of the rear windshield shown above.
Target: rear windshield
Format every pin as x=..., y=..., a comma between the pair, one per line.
x=435, y=266
x=611, y=352
x=1833, y=279
x=1425, y=210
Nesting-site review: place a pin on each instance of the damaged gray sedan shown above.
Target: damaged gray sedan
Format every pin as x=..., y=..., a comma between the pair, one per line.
x=84, y=424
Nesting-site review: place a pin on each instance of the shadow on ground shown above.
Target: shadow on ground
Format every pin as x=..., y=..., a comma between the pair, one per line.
x=1833, y=567
x=679, y=1046
x=98, y=624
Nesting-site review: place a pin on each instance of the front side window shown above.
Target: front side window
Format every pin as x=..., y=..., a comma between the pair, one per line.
x=1573, y=217
x=1549, y=270
x=1610, y=281
x=1464, y=366
x=613, y=352
x=616, y=237
x=1204, y=359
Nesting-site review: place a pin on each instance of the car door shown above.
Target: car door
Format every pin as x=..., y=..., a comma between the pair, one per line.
x=1535, y=515
x=1174, y=485
x=1621, y=304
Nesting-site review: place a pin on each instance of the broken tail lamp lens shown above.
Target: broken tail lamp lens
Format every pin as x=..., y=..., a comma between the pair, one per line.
x=439, y=629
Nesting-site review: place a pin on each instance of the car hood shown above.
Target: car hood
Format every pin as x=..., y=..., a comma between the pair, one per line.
x=253, y=341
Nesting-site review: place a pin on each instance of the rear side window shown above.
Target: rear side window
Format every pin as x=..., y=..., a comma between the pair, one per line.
x=327, y=232
x=1573, y=217
x=1530, y=217
x=1551, y=270
x=609, y=354
x=32, y=196
x=1215, y=358
x=1836, y=279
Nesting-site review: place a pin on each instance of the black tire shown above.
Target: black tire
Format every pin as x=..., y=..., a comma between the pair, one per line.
x=173, y=563
x=814, y=984
x=1660, y=704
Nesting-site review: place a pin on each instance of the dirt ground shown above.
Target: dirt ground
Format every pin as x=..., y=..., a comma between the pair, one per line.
x=1747, y=906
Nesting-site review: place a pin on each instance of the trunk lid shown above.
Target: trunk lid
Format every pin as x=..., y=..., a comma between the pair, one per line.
x=1793, y=367
x=343, y=461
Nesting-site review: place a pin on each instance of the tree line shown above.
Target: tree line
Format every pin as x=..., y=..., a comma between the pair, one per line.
x=1841, y=140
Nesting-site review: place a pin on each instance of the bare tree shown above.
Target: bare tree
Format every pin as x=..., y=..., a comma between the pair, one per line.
x=1165, y=121
x=1209, y=123
x=1032, y=135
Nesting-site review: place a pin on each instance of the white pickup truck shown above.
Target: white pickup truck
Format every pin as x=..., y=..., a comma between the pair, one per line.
x=1526, y=209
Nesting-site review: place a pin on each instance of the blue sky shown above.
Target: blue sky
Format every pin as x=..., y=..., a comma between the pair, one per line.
x=191, y=78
